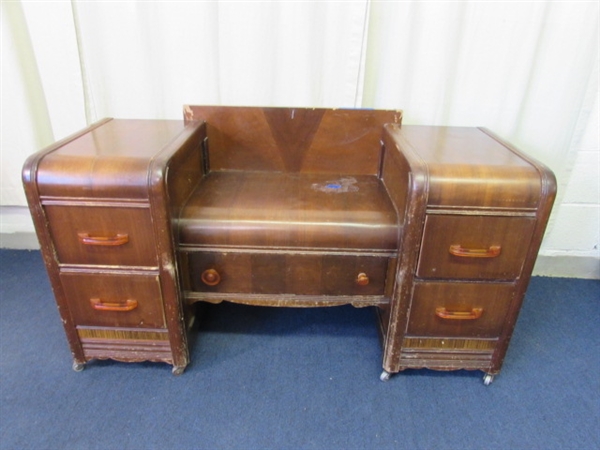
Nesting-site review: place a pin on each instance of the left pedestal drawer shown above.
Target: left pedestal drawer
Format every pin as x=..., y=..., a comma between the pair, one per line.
x=102, y=235
x=114, y=300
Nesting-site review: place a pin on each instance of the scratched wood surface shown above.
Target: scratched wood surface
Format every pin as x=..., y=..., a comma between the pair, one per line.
x=271, y=210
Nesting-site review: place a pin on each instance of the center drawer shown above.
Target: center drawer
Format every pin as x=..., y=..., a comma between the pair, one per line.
x=114, y=300
x=301, y=274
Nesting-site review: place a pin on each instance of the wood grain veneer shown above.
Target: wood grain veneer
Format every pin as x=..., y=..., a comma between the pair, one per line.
x=437, y=227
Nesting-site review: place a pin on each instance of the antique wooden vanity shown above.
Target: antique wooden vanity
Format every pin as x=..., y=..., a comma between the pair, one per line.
x=437, y=228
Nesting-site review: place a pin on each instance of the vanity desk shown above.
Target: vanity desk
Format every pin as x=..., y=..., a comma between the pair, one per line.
x=437, y=228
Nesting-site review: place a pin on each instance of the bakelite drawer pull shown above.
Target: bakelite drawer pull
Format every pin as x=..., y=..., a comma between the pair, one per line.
x=491, y=252
x=362, y=279
x=443, y=313
x=127, y=305
x=211, y=277
x=118, y=239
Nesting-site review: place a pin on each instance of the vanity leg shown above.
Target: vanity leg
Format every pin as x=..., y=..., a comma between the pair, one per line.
x=488, y=378
x=177, y=370
x=385, y=375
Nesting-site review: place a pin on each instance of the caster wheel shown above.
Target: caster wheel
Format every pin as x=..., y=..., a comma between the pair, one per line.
x=177, y=370
x=385, y=375
x=77, y=367
x=487, y=379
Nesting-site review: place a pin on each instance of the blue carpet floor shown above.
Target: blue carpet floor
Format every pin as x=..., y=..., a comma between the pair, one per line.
x=266, y=378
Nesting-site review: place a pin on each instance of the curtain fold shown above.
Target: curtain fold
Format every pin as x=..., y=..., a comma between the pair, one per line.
x=526, y=70
x=146, y=60
x=521, y=69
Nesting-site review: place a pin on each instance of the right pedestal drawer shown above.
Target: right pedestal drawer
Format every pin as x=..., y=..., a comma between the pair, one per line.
x=474, y=247
x=467, y=310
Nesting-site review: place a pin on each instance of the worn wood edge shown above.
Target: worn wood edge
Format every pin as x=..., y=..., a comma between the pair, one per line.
x=29, y=178
x=165, y=241
x=409, y=246
x=94, y=202
x=288, y=300
x=445, y=365
x=548, y=189
x=194, y=248
x=482, y=211
x=31, y=165
x=93, y=333
x=129, y=356
x=109, y=270
x=188, y=110
x=428, y=344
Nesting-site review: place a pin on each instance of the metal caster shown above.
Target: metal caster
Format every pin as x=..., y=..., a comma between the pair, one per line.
x=385, y=375
x=78, y=367
x=487, y=379
x=177, y=370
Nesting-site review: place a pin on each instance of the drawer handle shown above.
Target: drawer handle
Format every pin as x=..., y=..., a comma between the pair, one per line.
x=362, y=279
x=211, y=277
x=118, y=239
x=127, y=305
x=443, y=313
x=491, y=252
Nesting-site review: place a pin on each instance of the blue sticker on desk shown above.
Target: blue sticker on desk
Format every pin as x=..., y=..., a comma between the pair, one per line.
x=346, y=184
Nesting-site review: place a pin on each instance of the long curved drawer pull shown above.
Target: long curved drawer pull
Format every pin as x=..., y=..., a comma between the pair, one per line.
x=118, y=239
x=443, y=313
x=127, y=305
x=491, y=252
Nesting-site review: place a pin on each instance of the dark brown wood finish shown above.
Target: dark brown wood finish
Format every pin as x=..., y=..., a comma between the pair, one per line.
x=478, y=211
x=30, y=174
x=474, y=247
x=275, y=210
x=291, y=140
x=110, y=161
x=406, y=178
x=118, y=300
x=459, y=310
x=547, y=188
x=102, y=215
x=280, y=273
x=468, y=169
x=79, y=234
x=438, y=227
x=292, y=211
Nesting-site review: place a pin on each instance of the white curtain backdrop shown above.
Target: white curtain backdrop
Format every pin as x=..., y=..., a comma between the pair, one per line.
x=148, y=59
x=67, y=64
x=526, y=70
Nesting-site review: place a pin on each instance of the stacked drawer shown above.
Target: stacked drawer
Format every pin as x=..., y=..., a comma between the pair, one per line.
x=100, y=208
x=474, y=213
x=465, y=282
x=110, y=277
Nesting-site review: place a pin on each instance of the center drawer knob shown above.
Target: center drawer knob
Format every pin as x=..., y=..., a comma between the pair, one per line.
x=362, y=279
x=211, y=277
